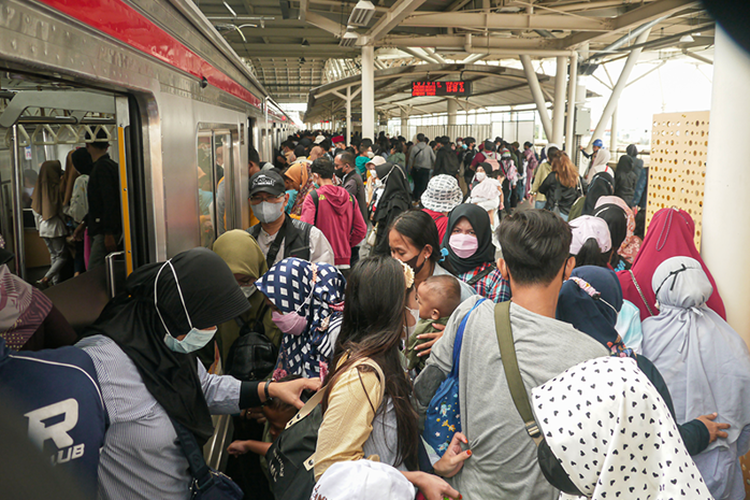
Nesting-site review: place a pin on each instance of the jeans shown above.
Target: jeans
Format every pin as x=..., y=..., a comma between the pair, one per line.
x=540, y=204
x=421, y=178
x=58, y=255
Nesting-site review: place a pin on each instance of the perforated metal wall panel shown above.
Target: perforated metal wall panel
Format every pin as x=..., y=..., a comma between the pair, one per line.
x=677, y=167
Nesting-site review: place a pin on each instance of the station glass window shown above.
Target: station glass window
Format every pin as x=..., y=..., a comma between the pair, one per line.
x=215, y=160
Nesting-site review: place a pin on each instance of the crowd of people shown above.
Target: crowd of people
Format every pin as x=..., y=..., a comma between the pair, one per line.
x=453, y=321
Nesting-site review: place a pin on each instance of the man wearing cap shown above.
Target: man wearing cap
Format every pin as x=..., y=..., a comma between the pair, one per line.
x=596, y=146
x=441, y=196
x=278, y=235
x=339, y=145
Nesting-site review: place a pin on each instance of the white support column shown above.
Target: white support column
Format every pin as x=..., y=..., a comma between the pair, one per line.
x=619, y=86
x=348, y=136
x=726, y=237
x=368, y=92
x=405, y=123
x=536, y=92
x=572, y=83
x=452, y=111
x=613, y=135
x=558, y=111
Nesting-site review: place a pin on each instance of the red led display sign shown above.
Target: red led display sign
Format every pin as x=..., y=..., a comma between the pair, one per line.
x=458, y=89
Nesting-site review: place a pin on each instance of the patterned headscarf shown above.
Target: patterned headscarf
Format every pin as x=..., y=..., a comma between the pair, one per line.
x=312, y=290
x=630, y=246
x=614, y=435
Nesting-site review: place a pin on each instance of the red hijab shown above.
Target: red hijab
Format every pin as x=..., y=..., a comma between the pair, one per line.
x=670, y=234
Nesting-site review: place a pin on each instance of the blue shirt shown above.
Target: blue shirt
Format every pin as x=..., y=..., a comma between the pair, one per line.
x=57, y=392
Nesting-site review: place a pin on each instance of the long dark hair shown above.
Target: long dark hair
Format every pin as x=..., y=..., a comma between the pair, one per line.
x=374, y=313
x=591, y=255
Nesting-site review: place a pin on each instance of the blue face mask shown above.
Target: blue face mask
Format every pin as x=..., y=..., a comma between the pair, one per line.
x=195, y=338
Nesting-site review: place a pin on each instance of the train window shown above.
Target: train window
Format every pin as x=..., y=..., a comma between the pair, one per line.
x=215, y=164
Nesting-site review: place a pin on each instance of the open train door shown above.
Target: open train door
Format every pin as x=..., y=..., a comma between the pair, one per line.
x=40, y=125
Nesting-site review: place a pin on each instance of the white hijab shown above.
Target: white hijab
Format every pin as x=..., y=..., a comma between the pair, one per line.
x=704, y=362
x=599, y=164
x=611, y=431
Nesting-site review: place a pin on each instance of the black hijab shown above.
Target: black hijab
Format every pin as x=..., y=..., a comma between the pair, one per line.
x=82, y=161
x=480, y=221
x=211, y=296
x=624, y=165
x=602, y=184
x=617, y=220
x=396, y=192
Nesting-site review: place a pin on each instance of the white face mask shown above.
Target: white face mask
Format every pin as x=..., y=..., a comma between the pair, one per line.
x=248, y=290
x=481, y=176
x=28, y=191
x=370, y=155
x=195, y=338
x=268, y=212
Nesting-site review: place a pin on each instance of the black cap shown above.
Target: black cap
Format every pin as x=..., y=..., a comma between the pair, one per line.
x=267, y=181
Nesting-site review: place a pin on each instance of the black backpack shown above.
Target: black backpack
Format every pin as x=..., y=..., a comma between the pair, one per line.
x=252, y=356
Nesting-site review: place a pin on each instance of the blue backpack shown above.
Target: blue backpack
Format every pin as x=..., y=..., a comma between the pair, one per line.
x=443, y=417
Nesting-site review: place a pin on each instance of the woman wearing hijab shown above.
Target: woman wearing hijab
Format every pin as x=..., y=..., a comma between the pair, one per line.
x=706, y=365
x=142, y=346
x=631, y=244
x=626, y=178
x=623, y=441
x=306, y=299
x=471, y=253
x=245, y=259
x=670, y=234
x=394, y=199
x=48, y=210
x=28, y=320
x=367, y=406
x=591, y=301
x=598, y=164
x=301, y=181
x=603, y=184
x=617, y=222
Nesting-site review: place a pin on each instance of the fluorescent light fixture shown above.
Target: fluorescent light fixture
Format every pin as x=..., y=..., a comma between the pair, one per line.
x=362, y=13
x=349, y=39
x=230, y=9
x=686, y=39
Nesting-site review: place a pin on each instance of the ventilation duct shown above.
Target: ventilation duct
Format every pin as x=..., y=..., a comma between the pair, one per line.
x=362, y=13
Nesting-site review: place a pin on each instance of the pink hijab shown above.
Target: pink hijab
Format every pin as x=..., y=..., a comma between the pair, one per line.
x=670, y=234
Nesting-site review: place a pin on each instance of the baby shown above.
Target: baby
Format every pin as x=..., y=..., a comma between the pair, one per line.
x=487, y=190
x=438, y=297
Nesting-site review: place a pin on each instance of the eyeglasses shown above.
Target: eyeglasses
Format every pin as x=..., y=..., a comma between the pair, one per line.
x=259, y=198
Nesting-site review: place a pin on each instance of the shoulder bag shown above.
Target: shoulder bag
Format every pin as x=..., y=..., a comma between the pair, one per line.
x=291, y=457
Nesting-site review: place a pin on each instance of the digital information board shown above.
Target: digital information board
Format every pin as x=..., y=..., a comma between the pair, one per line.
x=457, y=89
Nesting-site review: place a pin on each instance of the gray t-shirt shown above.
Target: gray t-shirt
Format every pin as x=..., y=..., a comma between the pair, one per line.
x=503, y=464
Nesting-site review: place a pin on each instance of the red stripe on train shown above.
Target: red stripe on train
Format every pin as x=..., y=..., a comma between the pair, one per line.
x=124, y=23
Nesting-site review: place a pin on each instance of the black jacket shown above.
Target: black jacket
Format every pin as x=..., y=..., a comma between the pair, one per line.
x=626, y=178
x=558, y=196
x=295, y=235
x=104, y=215
x=354, y=185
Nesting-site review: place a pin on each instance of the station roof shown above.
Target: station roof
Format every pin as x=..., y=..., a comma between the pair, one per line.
x=491, y=86
x=294, y=46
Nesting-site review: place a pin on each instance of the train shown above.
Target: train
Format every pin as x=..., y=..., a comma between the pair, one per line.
x=179, y=107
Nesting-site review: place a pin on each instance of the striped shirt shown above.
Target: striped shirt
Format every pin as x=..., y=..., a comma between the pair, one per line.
x=141, y=457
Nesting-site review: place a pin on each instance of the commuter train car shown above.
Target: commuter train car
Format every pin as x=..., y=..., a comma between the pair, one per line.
x=178, y=106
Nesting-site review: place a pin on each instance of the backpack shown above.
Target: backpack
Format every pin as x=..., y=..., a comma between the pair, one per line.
x=252, y=355
x=493, y=162
x=443, y=417
x=291, y=457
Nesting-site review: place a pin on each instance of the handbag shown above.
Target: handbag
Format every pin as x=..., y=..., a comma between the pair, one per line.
x=551, y=467
x=291, y=457
x=207, y=483
x=443, y=418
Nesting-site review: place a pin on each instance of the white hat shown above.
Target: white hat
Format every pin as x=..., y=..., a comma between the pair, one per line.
x=586, y=227
x=377, y=160
x=442, y=194
x=362, y=480
x=319, y=139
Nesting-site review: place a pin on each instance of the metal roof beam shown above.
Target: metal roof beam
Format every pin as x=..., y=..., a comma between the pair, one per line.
x=395, y=15
x=326, y=24
x=458, y=41
x=634, y=18
x=507, y=21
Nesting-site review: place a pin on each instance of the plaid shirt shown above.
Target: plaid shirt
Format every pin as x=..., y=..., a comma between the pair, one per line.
x=492, y=286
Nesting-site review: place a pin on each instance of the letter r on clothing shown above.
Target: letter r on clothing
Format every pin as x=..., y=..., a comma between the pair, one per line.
x=58, y=432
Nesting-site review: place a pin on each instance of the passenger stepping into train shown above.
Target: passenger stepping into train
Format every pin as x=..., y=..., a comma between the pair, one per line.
x=279, y=235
